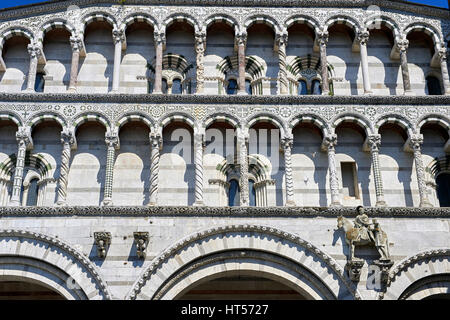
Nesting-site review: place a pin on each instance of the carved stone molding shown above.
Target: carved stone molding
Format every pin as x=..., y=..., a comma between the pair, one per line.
x=141, y=241
x=102, y=241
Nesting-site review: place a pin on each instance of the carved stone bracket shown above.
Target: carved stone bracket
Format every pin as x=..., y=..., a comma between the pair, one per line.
x=354, y=269
x=141, y=240
x=102, y=241
x=385, y=266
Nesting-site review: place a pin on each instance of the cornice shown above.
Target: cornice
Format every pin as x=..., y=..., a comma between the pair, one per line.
x=191, y=211
x=225, y=99
x=62, y=5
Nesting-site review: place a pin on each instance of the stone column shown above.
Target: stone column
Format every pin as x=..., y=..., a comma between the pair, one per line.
x=199, y=144
x=76, y=44
x=241, y=41
x=363, y=38
x=160, y=39
x=444, y=70
x=402, y=46
x=323, y=40
x=281, y=42
x=415, y=142
x=200, y=46
x=242, y=140
x=23, y=136
x=330, y=142
x=118, y=38
x=67, y=140
x=374, y=144
x=112, y=142
x=287, y=144
x=156, y=145
x=35, y=52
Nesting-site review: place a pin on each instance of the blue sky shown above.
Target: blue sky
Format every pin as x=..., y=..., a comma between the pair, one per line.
x=13, y=3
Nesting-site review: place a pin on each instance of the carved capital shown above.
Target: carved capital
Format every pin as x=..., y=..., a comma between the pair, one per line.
x=415, y=142
x=160, y=38
x=112, y=140
x=354, y=269
x=241, y=39
x=374, y=142
x=322, y=38
x=287, y=143
x=118, y=36
x=23, y=137
x=155, y=140
x=200, y=42
x=34, y=50
x=402, y=45
x=330, y=141
x=141, y=241
x=76, y=43
x=68, y=136
x=102, y=241
x=281, y=38
x=363, y=37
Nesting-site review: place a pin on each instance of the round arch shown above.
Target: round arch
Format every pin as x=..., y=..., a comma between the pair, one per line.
x=425, y=28
x=133, y=116
x=98, y=16
x=75, y=274
x=379, y=21
x=264, y=19
x=16, y=31
x=11, y=116
x=345, y=20
x=270, y=118
x=42, y=117
x=302, y=19
x=402, y=122
x=139, y=17
x=440, y=120
x=260, y=238
x=232, y=22
x=359, y=120
x=180, y=117
x=310, y=118
x=221, y=117
x=55, y=24
x=87, y=117
x=413, y=269
x=181, y=17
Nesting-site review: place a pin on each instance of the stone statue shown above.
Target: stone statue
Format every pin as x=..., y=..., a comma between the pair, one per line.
x=364, y=232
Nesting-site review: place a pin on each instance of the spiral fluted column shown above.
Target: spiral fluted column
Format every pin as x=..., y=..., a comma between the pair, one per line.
x=199, y=144
x=374, y=144
x=330, y=142
x=112, y=142
x=287, y=144
x=156, y=144
x=23, y=137
x=67, y=140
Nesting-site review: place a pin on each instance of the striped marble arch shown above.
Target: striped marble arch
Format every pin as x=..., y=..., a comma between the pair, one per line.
x=11, y=117
x=221, y=118
x=223, y=19
x=262, y=19
x=434, y=119
x=301, y=19
x=382, y=21
x=425, y=28
x=358, y=120
x=56, y=24
x=184, y=118
x=345, y=20
x=99, y=16
x=397, y=120
x=81, y=119
x=39, y=118
x=181, y=18
x=134, y=118
x=140, y=17
x=267, y=119
x=15, y=32
x=309, y=118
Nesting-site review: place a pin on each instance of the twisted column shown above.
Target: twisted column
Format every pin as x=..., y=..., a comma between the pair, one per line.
x=118, y=38
x=415, y=142
x=323, y=40
x=281, y=40
x=363, y=38
x=444, y=70
x=200, y=46
x=242, y=138
x=156, y=144
x=199, y=144
x=241, y=41
x=112, y=142
x=402, y=45
x=76, y=44
x=23, y=137
x=374, y=144
x=160, y=39
x=67, y=140
x=35, y=51
x=287, y=144
x=330, y=142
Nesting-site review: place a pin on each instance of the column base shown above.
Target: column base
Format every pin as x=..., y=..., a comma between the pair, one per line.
x=72, y=90
x=409, y=93
x=242, y=93
x=151, y=204
x=107, y=202
x=336, y=204
x=368, y=93
x=114, y=91
x=290, y=203
x=30, y=91
x=198, y=203
x=14, y=203
x=381, y=203
x=325, y=93
x=426, y=204
x=157, y=92
x=61, y=203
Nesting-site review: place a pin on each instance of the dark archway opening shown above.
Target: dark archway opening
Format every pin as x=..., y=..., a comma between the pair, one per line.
x=21, y=290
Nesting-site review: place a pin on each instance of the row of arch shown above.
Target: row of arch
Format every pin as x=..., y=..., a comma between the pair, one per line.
x=326, y=127
x=355, y=25
x=57, y=265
